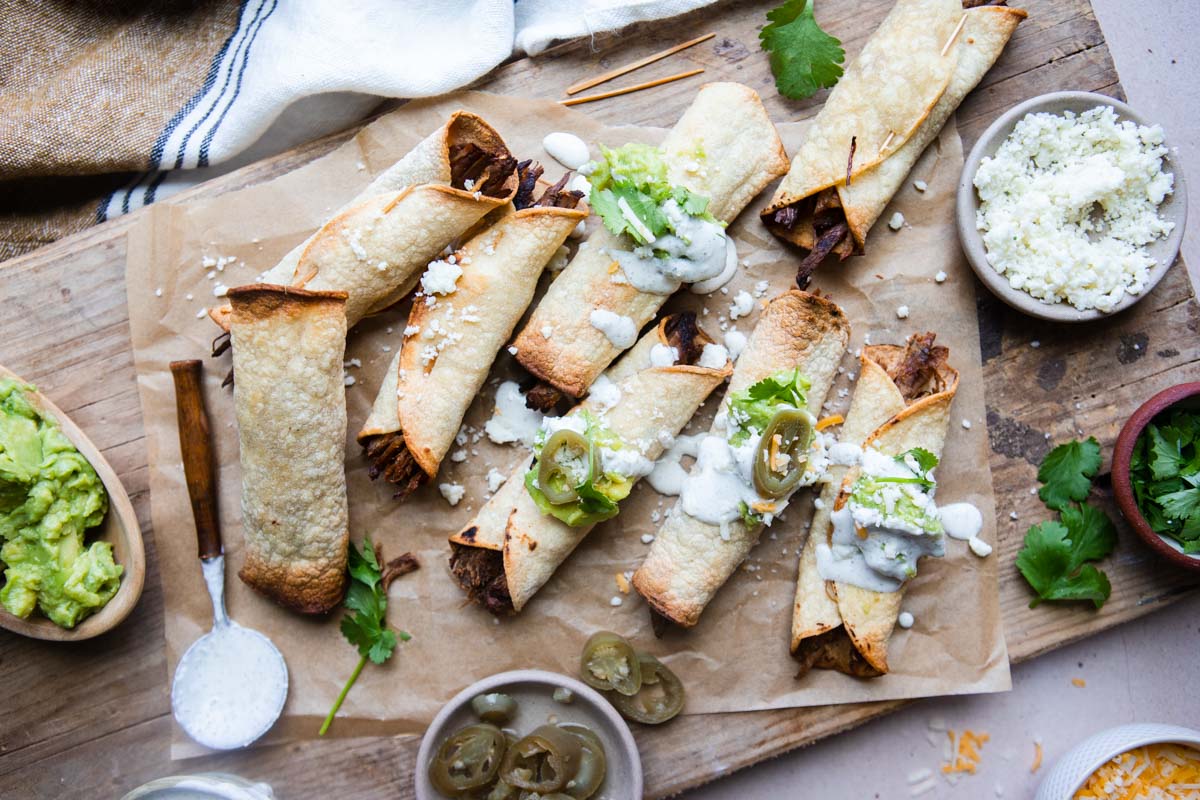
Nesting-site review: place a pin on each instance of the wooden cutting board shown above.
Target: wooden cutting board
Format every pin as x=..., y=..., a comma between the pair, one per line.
x=92, y=719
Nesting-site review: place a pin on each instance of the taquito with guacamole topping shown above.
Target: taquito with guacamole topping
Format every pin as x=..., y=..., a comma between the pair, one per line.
x=763, y=445
x=288, y=346
x=663, y=210
x=375, y=247
x=911, y=75
x=585, y=464
x=466, y=309
x=901, y=404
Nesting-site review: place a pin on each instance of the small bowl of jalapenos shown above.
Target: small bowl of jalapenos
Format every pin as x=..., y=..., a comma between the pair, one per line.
x=528, y=734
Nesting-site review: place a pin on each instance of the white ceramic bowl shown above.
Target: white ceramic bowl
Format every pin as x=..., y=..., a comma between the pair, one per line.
x=1070, y=771
x=533, y=690
x=1164, y=251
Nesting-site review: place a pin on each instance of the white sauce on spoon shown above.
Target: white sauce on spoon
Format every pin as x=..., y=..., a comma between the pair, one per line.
x=567, y=149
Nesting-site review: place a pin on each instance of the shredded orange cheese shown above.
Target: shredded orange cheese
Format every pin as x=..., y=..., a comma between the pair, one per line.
x=613, y=267
x=966, y=752
x=1156, y=772
x=1037, y=757
x=773, y=451
x=1078, y=682
x=862, y=532
x=622, y=583
x=763, y=507
x=833, y=419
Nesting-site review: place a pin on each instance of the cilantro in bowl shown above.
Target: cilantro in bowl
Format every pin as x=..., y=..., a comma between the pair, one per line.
x=1165, y=474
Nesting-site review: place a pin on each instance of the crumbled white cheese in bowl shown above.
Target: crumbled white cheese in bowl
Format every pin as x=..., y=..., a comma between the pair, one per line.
x=1069, y=204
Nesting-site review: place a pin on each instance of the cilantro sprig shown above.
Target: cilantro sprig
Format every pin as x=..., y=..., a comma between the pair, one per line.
x=365, y=626
x=1165, y=473
x=1057, y=554
x=925, y=462
x=804, y=58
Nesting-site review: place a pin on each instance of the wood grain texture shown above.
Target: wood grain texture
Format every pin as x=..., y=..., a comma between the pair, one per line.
x=100, y=725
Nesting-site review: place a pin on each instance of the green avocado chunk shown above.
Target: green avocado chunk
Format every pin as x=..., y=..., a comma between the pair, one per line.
x=49, y=497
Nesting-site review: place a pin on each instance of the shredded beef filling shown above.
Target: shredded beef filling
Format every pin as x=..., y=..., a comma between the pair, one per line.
x=487, y=171
x=480, y=573
x=398, y=567
x=541, y=396
x=833, y=650
x=684, y=335
x=388, y=456
x=916, y=373
x=556, y=196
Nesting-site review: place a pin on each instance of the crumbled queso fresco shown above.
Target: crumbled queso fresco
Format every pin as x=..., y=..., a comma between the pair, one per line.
x=1068, y=204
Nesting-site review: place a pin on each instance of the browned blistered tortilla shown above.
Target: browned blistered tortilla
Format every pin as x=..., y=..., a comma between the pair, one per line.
x=888, y=107
x=742, y=154
x=690, y=560
x=288, y=346
x=897, y=405
x=375, y=247
x=511, y=548
x=449, y=346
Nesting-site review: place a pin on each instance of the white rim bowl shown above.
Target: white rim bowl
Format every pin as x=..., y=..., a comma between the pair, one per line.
x=1073, y=769
x=1164, y=251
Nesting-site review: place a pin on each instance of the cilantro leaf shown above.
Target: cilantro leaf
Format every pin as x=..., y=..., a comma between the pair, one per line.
x=1165, y=475
x=1092, y=534
x=365, y=626
x=1180, y=504
x=1067, y=471
x=803, y=57
x=1050, y=562
x=1166, y=456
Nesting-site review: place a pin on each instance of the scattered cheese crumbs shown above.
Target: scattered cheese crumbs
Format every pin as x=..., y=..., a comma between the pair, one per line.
x=616, y=601
x=495, y=479
x=920, y=186
x=202, y=313
x=188, y=296
x=458, y=456
x=965, y=749
x=896, y=222
x=622, y=583
x=441, y=277
x=1155, y=772
x=735, y=342
x=830, y=421
x=512, y=351
x=1035, y=344
x=1012, y=515
x=741, y=306
x=547, y=331
x=647, y=538
x=1037, y=757
x=713, y=356
x=348, y=380
x=902, y=312
x=926, y=786
x=905, y=620
x=979, y=547
x=761, y=288
x=353, y=362
x=220, y=290
x=1079, y=683
x=158, y=292
x=453, y=492
x=941, y=276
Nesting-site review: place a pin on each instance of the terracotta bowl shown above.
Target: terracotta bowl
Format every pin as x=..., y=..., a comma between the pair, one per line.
x=1184, y=395
x=1164, y=251
x=533, y=690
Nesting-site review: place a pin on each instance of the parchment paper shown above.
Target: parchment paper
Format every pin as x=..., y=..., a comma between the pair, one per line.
x=737, y=658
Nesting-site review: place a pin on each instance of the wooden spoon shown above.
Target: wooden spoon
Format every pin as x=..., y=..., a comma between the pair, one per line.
x=120, y=528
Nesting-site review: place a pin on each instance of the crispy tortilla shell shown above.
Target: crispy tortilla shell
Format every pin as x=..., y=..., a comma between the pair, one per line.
x=690, y=560
x=288, y=346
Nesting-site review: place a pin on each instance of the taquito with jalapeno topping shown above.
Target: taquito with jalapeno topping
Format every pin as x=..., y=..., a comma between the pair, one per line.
x=901, y=406
x=911, y=75
x=530, y=526
x=723, y=151
x=467, y=308
x=761, y=448
x=288, y=346
x=376, y=246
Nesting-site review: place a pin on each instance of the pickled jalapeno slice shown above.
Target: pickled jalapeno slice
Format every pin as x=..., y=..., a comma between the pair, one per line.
x=469, y=759
x=593, y=764
x=494, y=707
x=782, y=454
x=556, y=481
x=661, y=696
x=543, y=761
x=610, y=663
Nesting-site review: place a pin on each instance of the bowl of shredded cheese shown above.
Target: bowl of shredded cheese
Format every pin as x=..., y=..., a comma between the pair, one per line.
x=1131, y=762
x=1071, y=207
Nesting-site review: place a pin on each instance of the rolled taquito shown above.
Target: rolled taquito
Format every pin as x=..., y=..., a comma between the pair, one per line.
x=375, y=247
x=724, y=149
x=455, y=329
x=788, y=365
x=514, y=545
x=288, y=346
x=889, y=106
x=901, y=401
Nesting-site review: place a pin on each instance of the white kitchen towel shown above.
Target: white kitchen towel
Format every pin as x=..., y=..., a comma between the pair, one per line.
x=328, y=61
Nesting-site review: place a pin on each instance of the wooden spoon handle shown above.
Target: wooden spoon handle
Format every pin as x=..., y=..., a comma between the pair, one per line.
x=196, y=447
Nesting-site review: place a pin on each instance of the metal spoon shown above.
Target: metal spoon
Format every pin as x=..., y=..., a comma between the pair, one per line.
x=231, y=684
